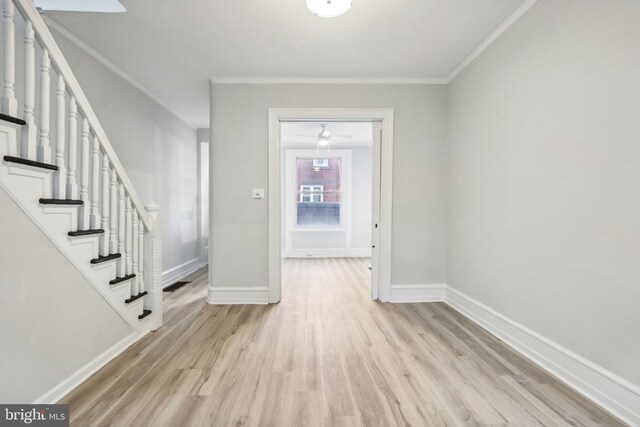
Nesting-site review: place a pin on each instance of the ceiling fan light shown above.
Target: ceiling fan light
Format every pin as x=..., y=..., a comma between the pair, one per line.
x=323, y=142
x=329, y=8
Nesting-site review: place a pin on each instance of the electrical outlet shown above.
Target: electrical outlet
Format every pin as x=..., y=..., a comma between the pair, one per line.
x=257, y=193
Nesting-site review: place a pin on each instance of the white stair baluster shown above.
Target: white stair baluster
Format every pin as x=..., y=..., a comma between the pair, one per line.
x=84, y=177
x=106, y=198
x=9, y=103
x=44, y=149
x=60, y=177
x=113, y=233
x=122, y=227
x=134, y=254
x=30, y=131
x=72, y=154
x=141, y=257
x=95, y=184
x=128, y=240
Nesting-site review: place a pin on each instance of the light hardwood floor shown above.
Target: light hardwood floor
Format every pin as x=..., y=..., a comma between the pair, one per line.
x=326, y=355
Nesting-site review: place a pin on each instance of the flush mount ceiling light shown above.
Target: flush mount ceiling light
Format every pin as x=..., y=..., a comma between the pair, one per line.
x=329, y=8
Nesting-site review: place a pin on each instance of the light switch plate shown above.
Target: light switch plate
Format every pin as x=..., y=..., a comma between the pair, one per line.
x=257, y=193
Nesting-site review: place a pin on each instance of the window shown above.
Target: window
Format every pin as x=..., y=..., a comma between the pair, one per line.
x=311, y=193
x=319, y=198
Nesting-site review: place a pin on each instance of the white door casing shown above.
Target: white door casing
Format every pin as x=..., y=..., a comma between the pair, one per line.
x=375, y=210
x=384, y=213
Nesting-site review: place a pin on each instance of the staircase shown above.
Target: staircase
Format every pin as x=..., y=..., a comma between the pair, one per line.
x=77, y=192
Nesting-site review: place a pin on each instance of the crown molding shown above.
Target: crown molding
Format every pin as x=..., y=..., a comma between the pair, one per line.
x=330, y=81
x=63, y=31
x=511, y=19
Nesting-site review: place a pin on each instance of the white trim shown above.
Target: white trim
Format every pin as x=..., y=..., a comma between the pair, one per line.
x=238, y=295
x=327, y=253
x=74, y=380
x=418, y=293
x=610, y=391
x=63, y=31
x=172, y=275
x=360, y=252
x=511, y=19
x=291, y=227
x=277, y=115
x=329, y=81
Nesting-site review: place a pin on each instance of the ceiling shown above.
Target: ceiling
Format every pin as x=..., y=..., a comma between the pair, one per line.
x=174, y=48
x=360, y=133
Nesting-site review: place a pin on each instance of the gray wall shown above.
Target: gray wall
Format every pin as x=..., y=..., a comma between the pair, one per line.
x=52, y=321
x=158, y=150
x=544, y=178
x=239, y=150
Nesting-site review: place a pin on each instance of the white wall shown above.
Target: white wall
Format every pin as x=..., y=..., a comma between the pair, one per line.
x=361, y=203
x=239, y=225
x=544, y=178
x=158, y=150
x=52, y=321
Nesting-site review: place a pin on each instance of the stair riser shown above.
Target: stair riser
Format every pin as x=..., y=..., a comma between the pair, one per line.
x=26, y=186
x=40, y=179
x=86, y=245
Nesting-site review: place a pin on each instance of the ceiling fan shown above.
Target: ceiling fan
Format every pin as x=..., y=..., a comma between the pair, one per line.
x=104, y=6
x=325, y=137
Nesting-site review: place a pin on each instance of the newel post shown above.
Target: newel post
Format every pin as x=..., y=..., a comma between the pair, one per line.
x=153, y=265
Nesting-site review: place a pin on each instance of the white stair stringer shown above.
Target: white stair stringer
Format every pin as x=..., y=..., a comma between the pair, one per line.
x=26, y=185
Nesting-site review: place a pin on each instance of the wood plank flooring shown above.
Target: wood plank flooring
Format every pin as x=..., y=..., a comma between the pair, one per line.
x=326, y=355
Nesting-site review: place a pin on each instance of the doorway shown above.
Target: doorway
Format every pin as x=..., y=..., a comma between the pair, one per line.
x=312, y=194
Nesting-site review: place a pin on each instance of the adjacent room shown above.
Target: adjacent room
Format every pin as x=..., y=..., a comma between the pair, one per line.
x=320, y=213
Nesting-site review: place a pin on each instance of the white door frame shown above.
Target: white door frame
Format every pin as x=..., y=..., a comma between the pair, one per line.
x=278, y=115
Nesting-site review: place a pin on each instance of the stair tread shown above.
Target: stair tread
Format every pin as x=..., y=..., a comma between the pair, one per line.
x=135, y=297
x=85, y=232
x=105, y=258
x=64, y=202
x=121, y=279
x=144, y=314
x=28, y=162
x=12, y=119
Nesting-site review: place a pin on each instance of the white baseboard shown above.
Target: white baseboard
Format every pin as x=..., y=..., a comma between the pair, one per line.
x=238, y=295
x=610, y=391
x=417, y=293
x=174, y=274
x=327, y=253
x=81, y=375
x=360, y=252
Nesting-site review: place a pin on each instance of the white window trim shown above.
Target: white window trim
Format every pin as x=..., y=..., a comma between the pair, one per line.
x=290, y=182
